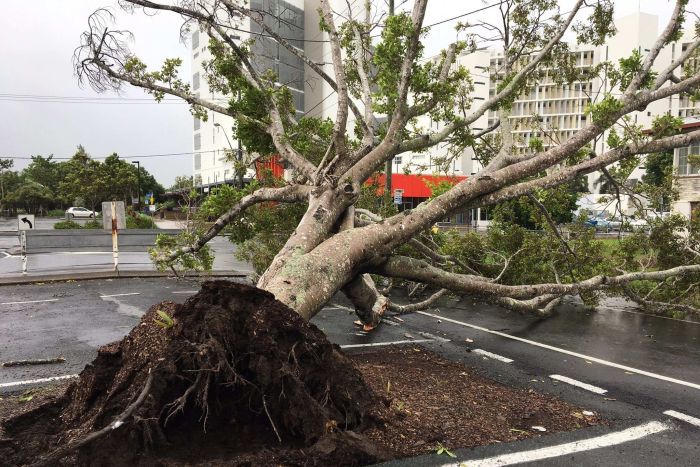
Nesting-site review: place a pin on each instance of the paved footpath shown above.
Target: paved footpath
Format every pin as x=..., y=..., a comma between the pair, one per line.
x=642, y=373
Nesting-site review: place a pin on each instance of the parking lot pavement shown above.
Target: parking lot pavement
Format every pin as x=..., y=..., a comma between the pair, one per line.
x=646, y=387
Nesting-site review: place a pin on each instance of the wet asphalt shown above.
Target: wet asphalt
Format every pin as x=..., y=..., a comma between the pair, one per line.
x=660, y=358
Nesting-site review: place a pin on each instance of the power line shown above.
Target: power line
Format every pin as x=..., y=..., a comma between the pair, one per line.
x=145, y=156
x=464, y=14
x=8, y=97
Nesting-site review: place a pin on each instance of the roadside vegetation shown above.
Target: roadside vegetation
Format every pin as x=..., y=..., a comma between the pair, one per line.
x=47, y=186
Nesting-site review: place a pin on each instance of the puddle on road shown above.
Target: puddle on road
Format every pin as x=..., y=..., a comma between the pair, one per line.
x=125, y=308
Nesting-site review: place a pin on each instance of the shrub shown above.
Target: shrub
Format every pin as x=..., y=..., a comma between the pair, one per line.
x=140, y=221
x=56, y=213
x=93, y=224
x=66, y=225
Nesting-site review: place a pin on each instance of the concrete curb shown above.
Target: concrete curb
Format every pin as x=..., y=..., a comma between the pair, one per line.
x=81, y=276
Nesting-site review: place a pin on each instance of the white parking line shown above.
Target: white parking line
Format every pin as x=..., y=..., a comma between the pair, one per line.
x=611, y=439
x=684, y=417
x=30, y=301
x=433, y=337
x=495, y=356
x=567, y=352
x=120, y=294
x=377, y=344
x=574, y=382
x=35, y=381
x=186, y=291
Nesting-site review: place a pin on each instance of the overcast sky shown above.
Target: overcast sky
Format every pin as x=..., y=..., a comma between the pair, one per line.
x=37, y=39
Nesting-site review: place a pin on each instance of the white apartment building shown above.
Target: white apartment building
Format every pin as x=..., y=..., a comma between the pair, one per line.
x=553, y=112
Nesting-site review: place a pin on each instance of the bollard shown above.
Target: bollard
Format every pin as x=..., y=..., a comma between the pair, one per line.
x=115, y=236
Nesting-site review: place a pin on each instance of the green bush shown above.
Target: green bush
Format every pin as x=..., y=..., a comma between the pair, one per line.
x=66, y=225
x=140, y=221
x=56, y=213
x=92, y=224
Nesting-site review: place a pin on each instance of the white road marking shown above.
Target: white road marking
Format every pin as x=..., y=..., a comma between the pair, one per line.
x=390, y=323
x=35, y=381
x=120, y=294
x=7, y=255
x=611, y=439
x=495, y=356
x=567, y=352
x=377, y=344
x=186, y=291
x=30, y=301
x=341, y=307
x=573, y=382
x=684, y=417
x=433, y=337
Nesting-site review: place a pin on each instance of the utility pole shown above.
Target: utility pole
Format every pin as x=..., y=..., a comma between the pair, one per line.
x=138, y=174
x=388, y=167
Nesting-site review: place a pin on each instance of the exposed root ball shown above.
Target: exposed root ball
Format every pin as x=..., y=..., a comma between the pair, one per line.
x=231, y=371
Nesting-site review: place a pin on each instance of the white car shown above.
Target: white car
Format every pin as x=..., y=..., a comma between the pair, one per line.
x=79, y=212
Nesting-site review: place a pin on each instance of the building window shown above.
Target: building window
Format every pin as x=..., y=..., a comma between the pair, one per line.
x=684, y=167
x=195, y=81
x=197, y=123
x=195, y=39
x=197, y=162
x=197, y=142
x=397, y=160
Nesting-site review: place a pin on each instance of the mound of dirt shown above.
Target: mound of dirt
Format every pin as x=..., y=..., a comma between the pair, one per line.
x=218, y=379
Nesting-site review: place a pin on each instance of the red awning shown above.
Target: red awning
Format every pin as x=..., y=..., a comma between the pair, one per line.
x=413, y=186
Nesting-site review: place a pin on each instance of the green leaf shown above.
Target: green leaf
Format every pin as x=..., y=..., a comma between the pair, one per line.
x=167, y=322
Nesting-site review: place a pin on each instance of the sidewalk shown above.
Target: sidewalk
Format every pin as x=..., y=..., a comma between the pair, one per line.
x=168, y=224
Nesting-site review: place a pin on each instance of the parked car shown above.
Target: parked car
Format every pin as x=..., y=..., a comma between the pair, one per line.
x=638, y=223
x=615, y=223
x=79, y=212
x=600, y=225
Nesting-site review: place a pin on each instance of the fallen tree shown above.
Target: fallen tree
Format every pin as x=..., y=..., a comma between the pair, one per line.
x=211, y=348
x=329, y=250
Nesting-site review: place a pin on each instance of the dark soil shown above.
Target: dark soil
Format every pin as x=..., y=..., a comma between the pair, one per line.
x=237, y=371
x=434, y=400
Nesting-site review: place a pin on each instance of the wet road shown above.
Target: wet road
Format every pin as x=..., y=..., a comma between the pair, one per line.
x=641, y=366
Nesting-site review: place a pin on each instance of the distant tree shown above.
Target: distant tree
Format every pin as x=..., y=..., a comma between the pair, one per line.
x=84, y=178
x=182, y=182
x=49, y=173
x=31, y=196
x=5, y=165
x=121, y=179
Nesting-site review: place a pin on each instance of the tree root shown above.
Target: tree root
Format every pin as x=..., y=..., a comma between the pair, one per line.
x=120, y=420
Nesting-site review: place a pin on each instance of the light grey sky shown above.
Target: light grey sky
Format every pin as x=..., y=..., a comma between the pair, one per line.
x=37, y=39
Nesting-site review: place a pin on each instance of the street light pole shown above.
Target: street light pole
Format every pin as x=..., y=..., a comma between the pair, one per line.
x=236, y=180
x=138, y=174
